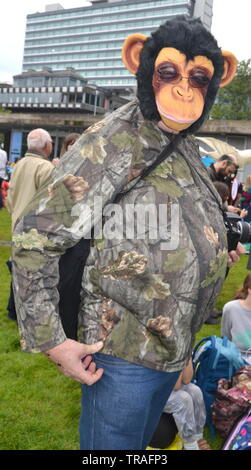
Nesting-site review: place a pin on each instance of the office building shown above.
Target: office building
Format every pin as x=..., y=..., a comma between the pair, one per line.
x=90, y=38
x=64, y=90
x=60, y=101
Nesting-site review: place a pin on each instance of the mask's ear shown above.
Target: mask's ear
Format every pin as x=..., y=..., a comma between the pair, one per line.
x=230, y=68
x=131, y=50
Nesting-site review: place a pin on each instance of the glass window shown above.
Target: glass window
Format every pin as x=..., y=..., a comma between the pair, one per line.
x=90, y=38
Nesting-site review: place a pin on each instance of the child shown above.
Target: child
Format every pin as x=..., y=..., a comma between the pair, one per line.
x=236, y=319
x=246, y=198
x=4, y=186
x=188, y=409
x=224, y=193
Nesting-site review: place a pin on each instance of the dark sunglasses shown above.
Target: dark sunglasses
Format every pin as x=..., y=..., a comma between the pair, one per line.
x=196, y=79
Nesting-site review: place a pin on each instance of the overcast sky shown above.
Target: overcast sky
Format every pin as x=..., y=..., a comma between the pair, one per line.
x=231, y=26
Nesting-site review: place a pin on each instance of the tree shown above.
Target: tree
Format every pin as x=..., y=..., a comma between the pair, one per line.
x=5, y=111
x=234, y=100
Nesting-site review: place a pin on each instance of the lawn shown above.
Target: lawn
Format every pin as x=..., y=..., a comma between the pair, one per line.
x=39, y=407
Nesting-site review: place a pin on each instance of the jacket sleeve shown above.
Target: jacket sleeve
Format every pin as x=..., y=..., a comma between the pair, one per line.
x=64, y=210
x=226, y=323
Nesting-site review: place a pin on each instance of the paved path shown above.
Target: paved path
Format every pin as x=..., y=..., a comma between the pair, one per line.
x=5, y=243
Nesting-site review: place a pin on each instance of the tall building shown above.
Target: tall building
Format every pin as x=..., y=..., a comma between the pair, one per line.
x=90, y=38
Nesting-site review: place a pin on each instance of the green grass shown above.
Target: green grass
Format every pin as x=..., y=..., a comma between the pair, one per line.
x=39, y=407
x=5, y=226
x=234, y=280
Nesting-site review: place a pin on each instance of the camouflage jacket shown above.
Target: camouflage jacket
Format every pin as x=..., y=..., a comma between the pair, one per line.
x=146, y=293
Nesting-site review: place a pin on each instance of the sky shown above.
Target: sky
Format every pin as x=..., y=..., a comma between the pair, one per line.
x=231, y=25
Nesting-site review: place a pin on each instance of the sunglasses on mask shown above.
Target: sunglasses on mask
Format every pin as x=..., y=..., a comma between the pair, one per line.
x=196, y=78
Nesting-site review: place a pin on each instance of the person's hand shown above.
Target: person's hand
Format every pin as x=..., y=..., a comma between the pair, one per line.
x=243, y=213
x=55, y=161
x=75, y=361
x=234, y=255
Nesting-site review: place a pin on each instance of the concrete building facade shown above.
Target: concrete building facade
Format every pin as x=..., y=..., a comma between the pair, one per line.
x=51, y=96
x=90, y=38
x=60, y=90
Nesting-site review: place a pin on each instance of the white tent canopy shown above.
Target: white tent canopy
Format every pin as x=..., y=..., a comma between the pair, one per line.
x=216, y=148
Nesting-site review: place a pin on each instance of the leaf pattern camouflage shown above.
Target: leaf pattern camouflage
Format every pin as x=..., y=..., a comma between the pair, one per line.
x=145, y=302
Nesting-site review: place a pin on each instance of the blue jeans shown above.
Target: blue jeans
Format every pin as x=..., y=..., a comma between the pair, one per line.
x=122, y=410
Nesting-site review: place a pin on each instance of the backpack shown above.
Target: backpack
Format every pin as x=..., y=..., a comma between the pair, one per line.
x=232, y=400
x=240, y=436
x=214, y=358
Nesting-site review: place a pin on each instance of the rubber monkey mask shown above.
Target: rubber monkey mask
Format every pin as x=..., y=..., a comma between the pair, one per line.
x=179, y=70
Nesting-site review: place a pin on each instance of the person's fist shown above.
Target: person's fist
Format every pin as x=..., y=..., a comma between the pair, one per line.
x=234, y=255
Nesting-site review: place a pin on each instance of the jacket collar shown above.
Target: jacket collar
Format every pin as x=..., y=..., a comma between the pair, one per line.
x=35, y=154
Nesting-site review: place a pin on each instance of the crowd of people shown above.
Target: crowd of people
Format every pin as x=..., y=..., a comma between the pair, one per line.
x=223, y=173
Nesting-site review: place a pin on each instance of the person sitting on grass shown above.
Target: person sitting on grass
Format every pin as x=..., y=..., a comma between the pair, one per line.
x=186, y=404
x=236, y=319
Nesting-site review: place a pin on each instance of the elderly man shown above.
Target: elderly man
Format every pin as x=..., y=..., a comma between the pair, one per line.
x=30, y=173
x=27, y=178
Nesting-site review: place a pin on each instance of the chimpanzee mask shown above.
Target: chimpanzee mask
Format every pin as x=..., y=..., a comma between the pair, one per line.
x=179, y=70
